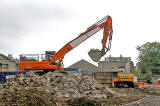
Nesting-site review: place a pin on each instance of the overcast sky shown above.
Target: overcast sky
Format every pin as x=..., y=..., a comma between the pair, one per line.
x=34, y=26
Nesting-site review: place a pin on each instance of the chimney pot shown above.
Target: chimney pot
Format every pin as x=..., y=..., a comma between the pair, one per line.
x=10, y=56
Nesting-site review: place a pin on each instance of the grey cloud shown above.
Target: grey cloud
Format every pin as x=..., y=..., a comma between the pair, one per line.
x=16, y=20
x=22, y=16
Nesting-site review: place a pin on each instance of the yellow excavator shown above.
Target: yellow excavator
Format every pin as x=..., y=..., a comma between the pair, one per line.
x=125, y=78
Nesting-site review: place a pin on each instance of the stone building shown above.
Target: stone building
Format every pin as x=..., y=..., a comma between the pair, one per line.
x=8, y=63
x=85, y=67
x=106, y=71
x=116, y=63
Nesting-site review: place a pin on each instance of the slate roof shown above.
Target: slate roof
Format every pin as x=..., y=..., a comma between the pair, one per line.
x=84, y=66
x=2, y=55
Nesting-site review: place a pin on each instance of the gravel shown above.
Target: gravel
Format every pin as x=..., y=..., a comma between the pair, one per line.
x=147, y=101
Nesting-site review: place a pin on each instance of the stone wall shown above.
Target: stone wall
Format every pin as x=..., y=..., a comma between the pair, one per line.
x=109, y=66
x=115, y=63
x=7, y=64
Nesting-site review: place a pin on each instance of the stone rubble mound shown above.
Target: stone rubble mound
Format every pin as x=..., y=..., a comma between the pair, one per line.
x=95, y=54
x=58, y=84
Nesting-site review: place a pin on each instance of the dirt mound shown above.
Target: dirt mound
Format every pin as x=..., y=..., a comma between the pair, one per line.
x=94, y=102
x=95, y=54
x=83, y=102
x=30, y=97
x=151, y=90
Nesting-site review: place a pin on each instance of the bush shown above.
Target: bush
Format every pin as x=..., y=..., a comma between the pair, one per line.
x=140, y=76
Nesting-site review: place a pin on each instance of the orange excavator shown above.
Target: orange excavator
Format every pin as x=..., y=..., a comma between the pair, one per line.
x=54, y=60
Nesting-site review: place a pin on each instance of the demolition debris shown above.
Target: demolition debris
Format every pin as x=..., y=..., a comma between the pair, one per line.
x=59, y=85
x=95, y=54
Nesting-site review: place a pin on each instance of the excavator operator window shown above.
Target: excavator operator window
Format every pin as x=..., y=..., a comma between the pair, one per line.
x=121, y=71
x=54, y=63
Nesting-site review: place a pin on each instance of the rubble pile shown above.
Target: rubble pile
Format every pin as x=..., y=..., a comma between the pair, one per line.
x=95, y=54
x=59, y=85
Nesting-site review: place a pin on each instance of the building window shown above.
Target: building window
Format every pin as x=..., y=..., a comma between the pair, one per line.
x=3, y=67
x=0, y=66
x=6, y=67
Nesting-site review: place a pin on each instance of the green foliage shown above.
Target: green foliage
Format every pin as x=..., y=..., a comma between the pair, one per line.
x=149, y=57
x=140, y=75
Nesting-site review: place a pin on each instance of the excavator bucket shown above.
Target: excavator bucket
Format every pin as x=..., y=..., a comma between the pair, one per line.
x=95, y=54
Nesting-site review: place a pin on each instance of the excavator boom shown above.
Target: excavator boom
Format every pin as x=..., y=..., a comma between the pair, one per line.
x=105, y=23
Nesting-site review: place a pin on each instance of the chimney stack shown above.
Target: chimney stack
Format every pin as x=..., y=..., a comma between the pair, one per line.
x=110, y=57
x=10, y=56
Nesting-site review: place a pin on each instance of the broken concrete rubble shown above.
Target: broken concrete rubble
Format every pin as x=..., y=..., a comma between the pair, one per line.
x=57, y=89
x=59, y=85
x=95, y=54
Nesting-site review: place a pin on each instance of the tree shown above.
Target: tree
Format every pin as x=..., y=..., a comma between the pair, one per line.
x=149, y=57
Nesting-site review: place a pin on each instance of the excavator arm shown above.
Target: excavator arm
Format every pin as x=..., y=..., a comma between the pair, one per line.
x=105, y=23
